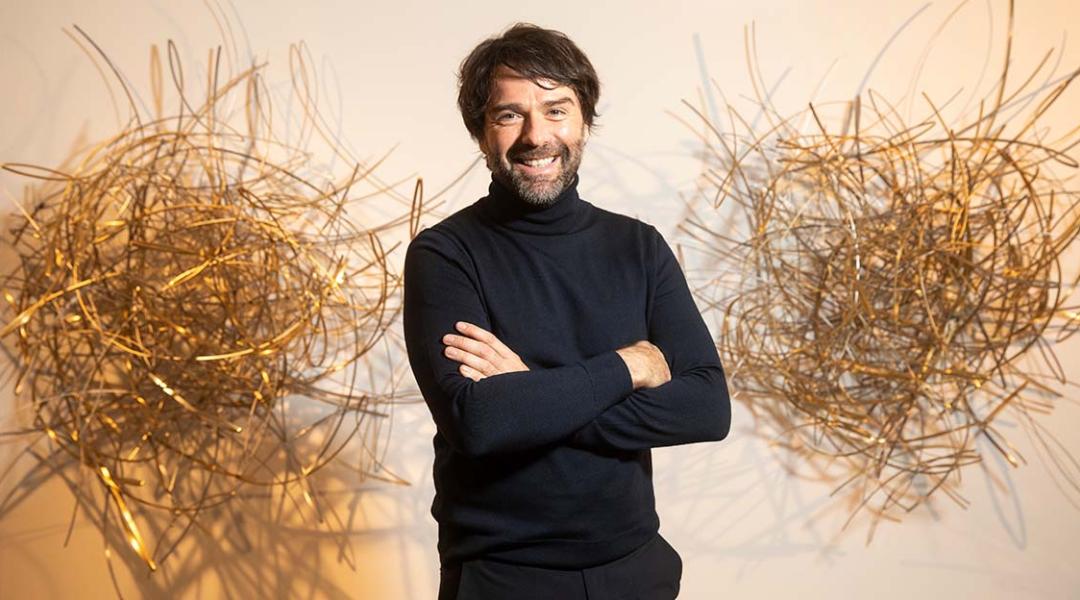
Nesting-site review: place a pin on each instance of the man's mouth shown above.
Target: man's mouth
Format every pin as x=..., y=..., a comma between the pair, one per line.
x=540, y=162
x=538, y=166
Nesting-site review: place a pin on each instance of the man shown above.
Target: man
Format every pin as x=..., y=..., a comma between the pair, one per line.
x=555, y=343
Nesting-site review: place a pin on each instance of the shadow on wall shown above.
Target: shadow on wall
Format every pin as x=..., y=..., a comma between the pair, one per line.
x=773, y=488
x=741, y=502
x=267, y=542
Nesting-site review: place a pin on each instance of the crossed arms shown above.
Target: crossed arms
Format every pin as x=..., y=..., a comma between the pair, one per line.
x=667, y=390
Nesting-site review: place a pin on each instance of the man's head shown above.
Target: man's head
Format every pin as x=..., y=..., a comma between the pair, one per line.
x=528, y=97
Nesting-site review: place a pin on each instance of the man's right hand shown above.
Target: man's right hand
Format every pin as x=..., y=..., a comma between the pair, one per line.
x=648, y=367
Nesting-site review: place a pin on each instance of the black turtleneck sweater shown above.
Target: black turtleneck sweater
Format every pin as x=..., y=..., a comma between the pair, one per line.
x=551, y=467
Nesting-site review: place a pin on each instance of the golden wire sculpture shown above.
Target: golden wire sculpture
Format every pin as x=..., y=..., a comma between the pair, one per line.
x=879, y=284
x=192, y=304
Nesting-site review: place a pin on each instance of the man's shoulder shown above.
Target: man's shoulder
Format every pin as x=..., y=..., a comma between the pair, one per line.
x=456, y=223
x=623, y=223
x=447, y=236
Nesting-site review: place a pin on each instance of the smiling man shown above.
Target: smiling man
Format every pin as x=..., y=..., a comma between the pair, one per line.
x=555, y=343
x=536, y=134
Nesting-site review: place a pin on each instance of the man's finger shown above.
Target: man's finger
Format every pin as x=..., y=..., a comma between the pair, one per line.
x=471, y=373
x=477, y=332
x=472, y=360
x=481, y=349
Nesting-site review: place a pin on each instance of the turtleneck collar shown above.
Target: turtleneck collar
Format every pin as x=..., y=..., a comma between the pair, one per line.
x=567, y=214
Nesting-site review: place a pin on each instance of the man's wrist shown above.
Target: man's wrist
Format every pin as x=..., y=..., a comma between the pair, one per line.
x=629, y=356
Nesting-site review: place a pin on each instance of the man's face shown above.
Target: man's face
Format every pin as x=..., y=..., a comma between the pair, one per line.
x=533, y=136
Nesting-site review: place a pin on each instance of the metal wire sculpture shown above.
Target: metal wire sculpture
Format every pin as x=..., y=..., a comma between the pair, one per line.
x=880, y=285
x=191, y=307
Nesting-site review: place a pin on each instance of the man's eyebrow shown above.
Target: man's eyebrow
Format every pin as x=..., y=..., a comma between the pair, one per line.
x=505, y=106
x=514, y=106
x=558, y=101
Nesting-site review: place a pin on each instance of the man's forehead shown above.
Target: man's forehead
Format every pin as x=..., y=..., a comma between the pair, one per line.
x=506, y=73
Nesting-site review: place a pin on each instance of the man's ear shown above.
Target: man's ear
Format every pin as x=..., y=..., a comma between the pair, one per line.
x=483, y=146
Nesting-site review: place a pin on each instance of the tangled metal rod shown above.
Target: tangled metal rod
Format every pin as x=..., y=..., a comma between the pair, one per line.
x=191, y=306
x=883, y=286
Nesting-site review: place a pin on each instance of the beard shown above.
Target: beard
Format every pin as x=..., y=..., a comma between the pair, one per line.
x=537, y=191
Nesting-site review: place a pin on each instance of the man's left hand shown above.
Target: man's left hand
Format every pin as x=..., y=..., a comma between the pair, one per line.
x=480, y=353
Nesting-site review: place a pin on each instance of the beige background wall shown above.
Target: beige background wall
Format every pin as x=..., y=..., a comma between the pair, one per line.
x=745, y=528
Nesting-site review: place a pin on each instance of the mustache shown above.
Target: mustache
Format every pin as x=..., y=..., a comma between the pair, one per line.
x=520, y=152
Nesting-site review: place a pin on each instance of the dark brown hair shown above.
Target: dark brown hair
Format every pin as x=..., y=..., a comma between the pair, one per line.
x=534, y=52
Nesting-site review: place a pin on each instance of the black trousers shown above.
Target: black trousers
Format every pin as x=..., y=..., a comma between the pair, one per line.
x=652, y=572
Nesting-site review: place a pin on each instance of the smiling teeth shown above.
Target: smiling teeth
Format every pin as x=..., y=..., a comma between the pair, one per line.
x=540, y=162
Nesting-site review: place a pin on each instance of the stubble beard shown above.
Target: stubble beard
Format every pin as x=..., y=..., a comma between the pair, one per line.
x=537, y=191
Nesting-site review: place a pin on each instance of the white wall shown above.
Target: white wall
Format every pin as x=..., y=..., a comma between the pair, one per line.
x=744, y=526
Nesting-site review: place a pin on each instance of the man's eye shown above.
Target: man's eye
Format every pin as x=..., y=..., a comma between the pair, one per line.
x=558, y=112
x=505, y=116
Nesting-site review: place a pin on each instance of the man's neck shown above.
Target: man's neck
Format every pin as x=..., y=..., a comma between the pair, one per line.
x=566, y=213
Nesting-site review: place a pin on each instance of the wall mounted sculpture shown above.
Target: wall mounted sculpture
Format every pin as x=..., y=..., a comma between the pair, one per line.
x=888, y=290
x=191, y=307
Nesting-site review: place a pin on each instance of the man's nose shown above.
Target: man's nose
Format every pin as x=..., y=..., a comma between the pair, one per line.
x=535, y=131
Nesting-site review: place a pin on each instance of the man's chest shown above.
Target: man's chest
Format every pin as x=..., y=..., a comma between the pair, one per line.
x=555, y=301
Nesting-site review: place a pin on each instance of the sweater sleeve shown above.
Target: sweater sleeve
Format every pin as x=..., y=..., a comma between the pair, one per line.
x=502, y=413
x=694, y=405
